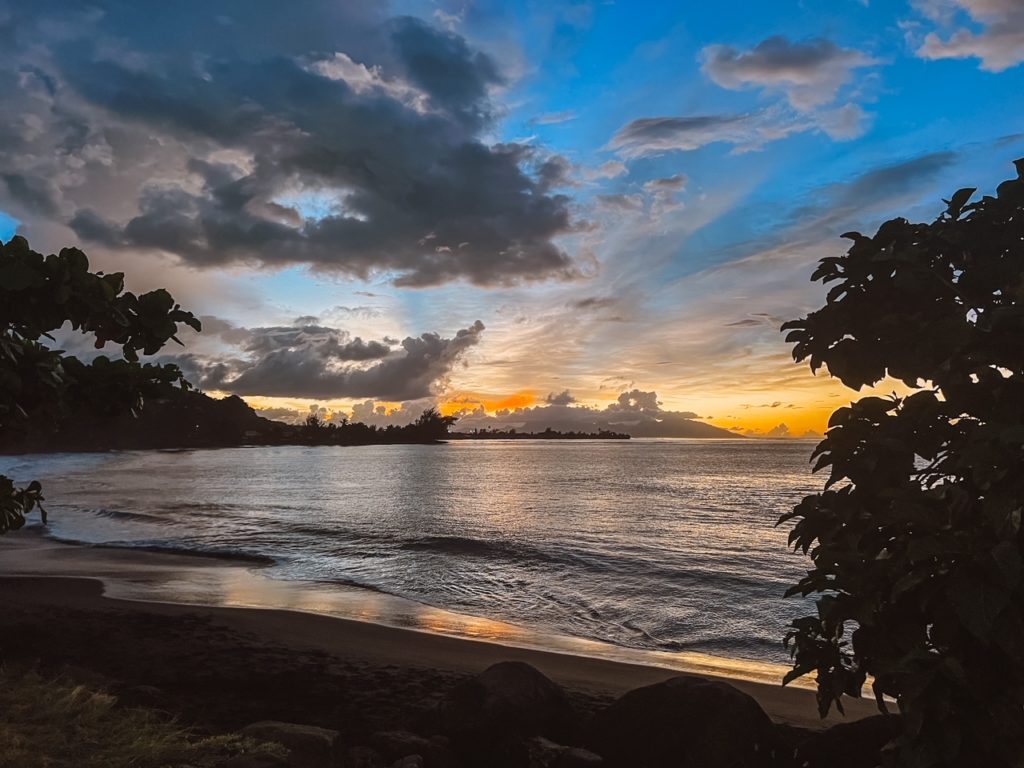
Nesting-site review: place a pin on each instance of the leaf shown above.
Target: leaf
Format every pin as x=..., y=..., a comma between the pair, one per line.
x=958, y=201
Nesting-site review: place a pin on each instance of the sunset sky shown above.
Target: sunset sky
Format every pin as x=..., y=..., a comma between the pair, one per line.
x=380, y=206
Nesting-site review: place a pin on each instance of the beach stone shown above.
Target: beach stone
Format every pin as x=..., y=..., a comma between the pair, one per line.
x=308, y=746
x=790, y=736
x=849, y=745
x=256, y=760
x=394, y=745
x=363, y=757
x=542, y=753
x=508, y=701
x=685, y=721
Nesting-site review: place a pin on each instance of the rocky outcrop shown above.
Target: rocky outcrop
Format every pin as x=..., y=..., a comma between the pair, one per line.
x=684, y=722
x=392, y=746
x=848, y=745
x=487, y=716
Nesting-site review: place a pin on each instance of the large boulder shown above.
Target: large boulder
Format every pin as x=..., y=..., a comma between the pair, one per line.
x=308, y=746
x=849, y=745
x=506, y=703
x=395, y=745
x=363, y=757
x=685, y=722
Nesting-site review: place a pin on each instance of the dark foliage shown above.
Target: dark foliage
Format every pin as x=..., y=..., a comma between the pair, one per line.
x=40, y=386
x=916, y=539
x=429, y=427
x=182, y=418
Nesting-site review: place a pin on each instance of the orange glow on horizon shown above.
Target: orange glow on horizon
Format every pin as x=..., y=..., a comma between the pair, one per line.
x=467, y=401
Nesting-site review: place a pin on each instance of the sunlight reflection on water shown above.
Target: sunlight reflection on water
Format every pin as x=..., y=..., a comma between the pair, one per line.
x=663, y=546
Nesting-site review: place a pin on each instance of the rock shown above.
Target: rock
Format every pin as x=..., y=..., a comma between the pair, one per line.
x=510, y=700
x=849, y=745
x=791, y=735
x=685, y=721
x=256, y=760
x=574, y=757
x=308, y=745
x=409, y=761
x=542, y=753
x=363, y=757
x=394, y=745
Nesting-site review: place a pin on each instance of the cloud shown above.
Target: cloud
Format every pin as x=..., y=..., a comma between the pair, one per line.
x=809, y=73
x=322, y=363
x=609, y=169
x=751, y=130
x=371, y=412
x=780, y=430
x=562, y=398
x=663, y=194
x=326, y=134
x=997, y=40
x=595, y=302
x=636, y=412
x=554, y=118
x=620, y=202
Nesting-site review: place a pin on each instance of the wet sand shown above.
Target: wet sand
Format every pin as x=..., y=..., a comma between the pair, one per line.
x=221, y=667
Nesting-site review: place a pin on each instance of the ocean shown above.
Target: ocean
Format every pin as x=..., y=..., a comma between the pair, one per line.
x=648, y=546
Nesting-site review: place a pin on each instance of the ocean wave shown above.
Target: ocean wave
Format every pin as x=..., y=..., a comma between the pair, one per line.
x=176, y=548
x=120, y=514
x=628, y=567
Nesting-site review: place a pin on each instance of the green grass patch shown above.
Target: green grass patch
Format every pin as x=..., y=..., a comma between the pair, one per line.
x=55, y=724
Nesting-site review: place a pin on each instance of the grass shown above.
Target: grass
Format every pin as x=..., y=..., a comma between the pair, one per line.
x=55, y=724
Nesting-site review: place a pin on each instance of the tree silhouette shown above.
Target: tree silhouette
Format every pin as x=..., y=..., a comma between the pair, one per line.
x=916, y=539
x=40, y=386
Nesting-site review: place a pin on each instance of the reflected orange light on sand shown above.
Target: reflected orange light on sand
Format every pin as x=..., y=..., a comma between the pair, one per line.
x=445, y=623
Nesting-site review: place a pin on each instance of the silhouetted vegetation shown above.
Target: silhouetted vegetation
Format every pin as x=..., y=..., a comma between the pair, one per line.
x=547, y=434
x=188, y=419
x=430, y=427
x=41, y=387
x=916, y=540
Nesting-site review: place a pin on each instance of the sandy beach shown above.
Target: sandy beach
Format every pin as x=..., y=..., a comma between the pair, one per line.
x=220, y=667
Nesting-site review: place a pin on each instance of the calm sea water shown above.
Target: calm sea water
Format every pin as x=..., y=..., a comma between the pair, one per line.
x=664, y=545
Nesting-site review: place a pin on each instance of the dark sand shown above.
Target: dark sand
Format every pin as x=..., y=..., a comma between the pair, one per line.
x=219, y=668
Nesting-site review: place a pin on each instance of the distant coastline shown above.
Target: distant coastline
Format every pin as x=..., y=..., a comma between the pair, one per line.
x=547, y=434
x=187, y=419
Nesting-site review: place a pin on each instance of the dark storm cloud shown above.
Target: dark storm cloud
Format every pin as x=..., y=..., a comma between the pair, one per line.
x=348, y=141
x=312, y=361
x=35, y=194
x=562, y=398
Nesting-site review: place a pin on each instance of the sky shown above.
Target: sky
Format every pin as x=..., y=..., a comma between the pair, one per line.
x=498, y=208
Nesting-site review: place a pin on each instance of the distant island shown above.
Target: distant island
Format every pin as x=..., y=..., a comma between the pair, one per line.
x=181, y=419
x=547, y=434
x=191, y=419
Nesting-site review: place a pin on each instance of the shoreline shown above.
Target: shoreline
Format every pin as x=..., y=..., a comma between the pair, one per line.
x=238, y=580
x=74, y=577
